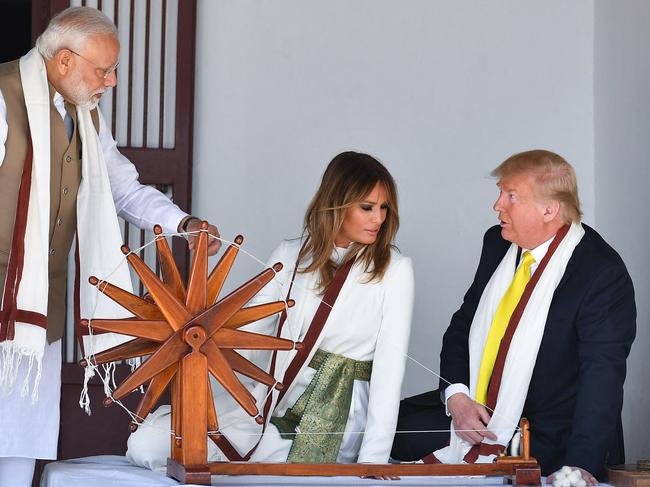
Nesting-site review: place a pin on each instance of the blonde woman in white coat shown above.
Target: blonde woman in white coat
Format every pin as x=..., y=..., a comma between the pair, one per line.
x=352, y=219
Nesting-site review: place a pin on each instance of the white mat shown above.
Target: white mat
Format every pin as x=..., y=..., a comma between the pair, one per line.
x=110, y=471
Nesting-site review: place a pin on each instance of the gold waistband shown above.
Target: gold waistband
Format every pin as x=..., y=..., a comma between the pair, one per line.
x=362, y=369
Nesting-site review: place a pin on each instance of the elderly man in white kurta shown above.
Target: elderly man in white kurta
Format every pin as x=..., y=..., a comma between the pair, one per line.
x=60, y=174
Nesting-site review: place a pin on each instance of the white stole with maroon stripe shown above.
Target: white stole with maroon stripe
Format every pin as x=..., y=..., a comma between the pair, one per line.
x=522, y=353
x=98, y=234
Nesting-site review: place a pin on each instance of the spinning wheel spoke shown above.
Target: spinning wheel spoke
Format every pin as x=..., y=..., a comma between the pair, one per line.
x=220, y=369
x=213, y=423
x=131, y=349
x=249, y=369
x=253, y=313
x=155, y=389
x=173, y=310
x=141, y=308
x=220, y=272
x=197, y=287
x=251, y=341
x=171, y=276
x=171, y=351
x=156, y=330
x=215, y=317
x=176, y=408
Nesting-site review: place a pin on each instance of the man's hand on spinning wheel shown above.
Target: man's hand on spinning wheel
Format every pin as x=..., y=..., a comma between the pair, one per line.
x=194, y=225
x=470, y=418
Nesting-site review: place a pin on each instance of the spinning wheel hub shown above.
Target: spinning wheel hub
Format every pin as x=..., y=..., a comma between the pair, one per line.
x=195, y=336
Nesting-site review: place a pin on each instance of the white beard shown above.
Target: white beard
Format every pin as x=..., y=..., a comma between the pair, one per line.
x=78, y=92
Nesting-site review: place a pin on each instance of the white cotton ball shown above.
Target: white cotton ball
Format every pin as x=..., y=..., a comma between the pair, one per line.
x=581, y=483
x=566, y=482
x=566, y=470
x=557, y=483
x=575, y=477
x=559, y=475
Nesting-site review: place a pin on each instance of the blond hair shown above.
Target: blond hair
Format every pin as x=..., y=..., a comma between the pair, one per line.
x=349, y=178
x=554, y=179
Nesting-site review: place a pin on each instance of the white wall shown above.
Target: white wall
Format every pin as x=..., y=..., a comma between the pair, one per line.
x=622, y=137
x=441, y=92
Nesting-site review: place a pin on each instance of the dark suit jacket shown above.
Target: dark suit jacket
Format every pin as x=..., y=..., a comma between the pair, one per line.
x=576, y=392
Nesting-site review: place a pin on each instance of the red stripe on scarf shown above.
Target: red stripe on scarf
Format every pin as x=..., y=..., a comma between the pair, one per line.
x=10, y=314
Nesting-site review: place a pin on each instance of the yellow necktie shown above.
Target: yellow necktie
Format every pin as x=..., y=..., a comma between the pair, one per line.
x=500, y=323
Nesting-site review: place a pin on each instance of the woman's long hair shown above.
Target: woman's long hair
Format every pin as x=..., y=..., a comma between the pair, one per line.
x=348, y=179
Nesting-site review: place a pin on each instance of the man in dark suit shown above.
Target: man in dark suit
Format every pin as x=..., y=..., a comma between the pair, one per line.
x=575, y=394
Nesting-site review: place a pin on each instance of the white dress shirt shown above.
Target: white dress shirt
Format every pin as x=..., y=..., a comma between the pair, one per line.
x=137, y=203
x=538, y=254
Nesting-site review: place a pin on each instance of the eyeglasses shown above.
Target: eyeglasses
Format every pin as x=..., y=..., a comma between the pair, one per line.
x=101, y=72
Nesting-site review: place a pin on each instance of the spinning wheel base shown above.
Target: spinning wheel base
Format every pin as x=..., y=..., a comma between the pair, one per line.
x=521, y=471
x=188, y=474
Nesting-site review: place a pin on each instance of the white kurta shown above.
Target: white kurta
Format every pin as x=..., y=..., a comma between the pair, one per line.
x=139, y=204
x=369, y=321
x=32, y=430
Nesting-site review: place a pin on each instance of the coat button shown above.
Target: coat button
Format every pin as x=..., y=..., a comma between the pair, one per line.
x=59, y=222
x=68, y=159
x=65, y=191
x=52, y=252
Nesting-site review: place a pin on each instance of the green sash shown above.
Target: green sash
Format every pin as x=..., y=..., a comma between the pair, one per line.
x=322, y=410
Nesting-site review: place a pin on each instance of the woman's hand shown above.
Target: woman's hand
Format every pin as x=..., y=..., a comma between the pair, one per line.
x=380, y=477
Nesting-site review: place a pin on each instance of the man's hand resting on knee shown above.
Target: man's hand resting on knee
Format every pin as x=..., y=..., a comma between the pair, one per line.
x=470, y=418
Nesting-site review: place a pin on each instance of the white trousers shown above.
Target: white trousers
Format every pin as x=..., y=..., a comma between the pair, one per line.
x=16, y=471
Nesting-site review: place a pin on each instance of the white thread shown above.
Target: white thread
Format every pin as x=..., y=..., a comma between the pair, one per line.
x=427, y=369
x=84, y=398
x=517, y=427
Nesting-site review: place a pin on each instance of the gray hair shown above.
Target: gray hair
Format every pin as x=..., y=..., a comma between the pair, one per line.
x=71, y=28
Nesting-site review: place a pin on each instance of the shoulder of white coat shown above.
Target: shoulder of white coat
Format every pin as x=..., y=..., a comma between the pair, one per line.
x=399, y=271
x=399, y=261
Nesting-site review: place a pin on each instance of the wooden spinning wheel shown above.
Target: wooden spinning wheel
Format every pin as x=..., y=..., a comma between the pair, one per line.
x=190, y=333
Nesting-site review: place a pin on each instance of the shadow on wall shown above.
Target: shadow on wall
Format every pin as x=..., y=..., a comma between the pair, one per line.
x=15, y=28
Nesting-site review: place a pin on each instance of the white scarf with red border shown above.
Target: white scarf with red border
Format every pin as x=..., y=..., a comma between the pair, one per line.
x=98, y=235
x=522, y=353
